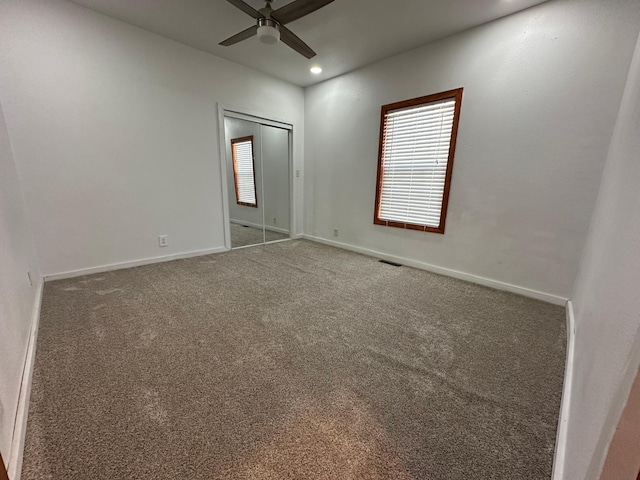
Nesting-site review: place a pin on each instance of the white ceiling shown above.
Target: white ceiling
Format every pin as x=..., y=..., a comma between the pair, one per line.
x=346, y=34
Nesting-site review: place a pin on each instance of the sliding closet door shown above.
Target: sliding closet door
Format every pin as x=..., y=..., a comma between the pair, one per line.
x=244, y=182
x=276, y=182
x=258, y=168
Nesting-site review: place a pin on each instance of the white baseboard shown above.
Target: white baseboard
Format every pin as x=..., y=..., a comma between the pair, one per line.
x=134, y=263
x=560, y=455
x=276, y=229
x=17, y=448
x=14, y=463
x=259, y=226
x=244, y=223
x=487, y=282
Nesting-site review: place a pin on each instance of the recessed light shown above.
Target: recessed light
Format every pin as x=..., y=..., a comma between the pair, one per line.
x=316, y=70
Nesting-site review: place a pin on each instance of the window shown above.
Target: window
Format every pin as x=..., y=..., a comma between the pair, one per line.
x=244, y=173
x=417, y=144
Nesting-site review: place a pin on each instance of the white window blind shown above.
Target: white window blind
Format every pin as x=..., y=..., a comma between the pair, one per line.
x=243, y=171
x=414, y=162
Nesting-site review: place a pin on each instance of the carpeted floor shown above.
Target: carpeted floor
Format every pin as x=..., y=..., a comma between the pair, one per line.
x=242, y=236
x=292, y=361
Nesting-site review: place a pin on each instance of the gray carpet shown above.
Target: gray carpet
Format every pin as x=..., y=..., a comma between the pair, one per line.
x=292, y=361
x=242, y=236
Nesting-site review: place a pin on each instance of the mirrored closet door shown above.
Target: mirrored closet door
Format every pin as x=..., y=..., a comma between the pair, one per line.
x=258, y=180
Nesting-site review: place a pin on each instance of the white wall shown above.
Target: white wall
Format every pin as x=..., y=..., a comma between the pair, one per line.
x=541, y=93
x=115, y=133
x=606, y=301
x=17, y=296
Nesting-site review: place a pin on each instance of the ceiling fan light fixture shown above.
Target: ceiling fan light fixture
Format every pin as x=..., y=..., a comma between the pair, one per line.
x=270, y=27
x=268, y=31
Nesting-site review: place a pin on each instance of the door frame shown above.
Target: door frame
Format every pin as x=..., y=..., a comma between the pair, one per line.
x=3, y=470
x=225, y=110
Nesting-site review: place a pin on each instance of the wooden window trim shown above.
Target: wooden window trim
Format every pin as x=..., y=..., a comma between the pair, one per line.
x=455, y=94
x=235, y=170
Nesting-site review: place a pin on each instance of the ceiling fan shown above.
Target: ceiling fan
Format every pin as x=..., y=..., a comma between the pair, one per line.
x=270, y=23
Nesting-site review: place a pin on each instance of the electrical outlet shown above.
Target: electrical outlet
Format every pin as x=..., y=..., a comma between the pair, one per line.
x=335, y=232
x=163, y=240
x=274, y=220
x=297, y=173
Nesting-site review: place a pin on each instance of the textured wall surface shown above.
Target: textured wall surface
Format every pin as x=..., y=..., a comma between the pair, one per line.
x=115, y=133
x=16, y=294
x=541, y=94
x=606, y=301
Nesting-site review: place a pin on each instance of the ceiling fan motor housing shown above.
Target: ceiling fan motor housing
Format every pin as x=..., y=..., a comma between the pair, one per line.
x=268, y=31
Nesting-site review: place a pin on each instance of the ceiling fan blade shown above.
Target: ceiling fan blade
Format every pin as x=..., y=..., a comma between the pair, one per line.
x=248, y=9
x=291, y=39
x=238, y=37
x=297, y=9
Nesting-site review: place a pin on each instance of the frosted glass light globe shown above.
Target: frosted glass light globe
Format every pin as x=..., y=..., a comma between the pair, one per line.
x=268, y=34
